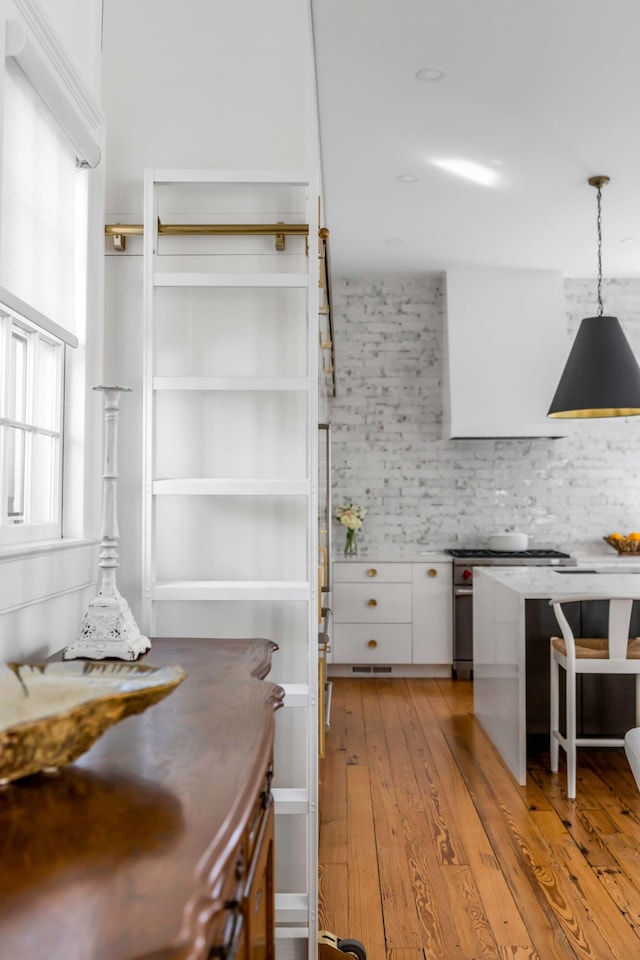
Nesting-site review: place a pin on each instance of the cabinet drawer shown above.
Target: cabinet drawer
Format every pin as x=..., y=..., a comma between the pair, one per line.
x=225, y=929
x=259, y=813
x=354, y=643
x=371, y=572
x=372, y=603
x=259, y=894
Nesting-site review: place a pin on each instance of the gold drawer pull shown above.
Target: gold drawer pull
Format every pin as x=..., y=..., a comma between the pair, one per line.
x=432, y=573
x=372, y=572
x=372, y=644
x=372, y=603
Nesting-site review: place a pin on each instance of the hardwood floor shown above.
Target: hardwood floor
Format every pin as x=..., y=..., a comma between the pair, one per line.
x=429, y=848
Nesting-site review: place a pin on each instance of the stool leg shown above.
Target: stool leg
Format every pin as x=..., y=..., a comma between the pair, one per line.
x=571, y=734
x=555, y=712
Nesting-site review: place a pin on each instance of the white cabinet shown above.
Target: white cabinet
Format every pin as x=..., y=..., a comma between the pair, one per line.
x=431, y=612
x=372, y=643
x=392, y=618
x=506, y=342
x=373, y=603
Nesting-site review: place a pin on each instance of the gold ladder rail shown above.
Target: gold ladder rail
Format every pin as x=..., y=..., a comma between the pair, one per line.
x=214, y=229
x=118, y=233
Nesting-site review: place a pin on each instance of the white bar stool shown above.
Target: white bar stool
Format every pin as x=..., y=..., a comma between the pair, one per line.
x=617, y=653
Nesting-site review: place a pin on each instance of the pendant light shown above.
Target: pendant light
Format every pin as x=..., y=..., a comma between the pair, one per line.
x=601, y=377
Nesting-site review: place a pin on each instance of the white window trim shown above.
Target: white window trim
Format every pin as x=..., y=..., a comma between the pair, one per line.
x=19, y=533
x=22, y=310
x=83, y=367
x=42, y=548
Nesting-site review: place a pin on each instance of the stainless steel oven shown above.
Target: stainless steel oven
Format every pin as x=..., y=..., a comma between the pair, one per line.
x=464, y=562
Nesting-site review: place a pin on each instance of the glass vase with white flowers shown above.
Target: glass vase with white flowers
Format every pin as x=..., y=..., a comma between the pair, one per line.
x=350, y=516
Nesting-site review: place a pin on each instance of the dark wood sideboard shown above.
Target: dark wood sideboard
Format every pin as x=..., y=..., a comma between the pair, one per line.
x=158, y=842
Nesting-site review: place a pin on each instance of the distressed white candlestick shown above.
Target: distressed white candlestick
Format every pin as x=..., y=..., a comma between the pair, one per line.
x=108, y=627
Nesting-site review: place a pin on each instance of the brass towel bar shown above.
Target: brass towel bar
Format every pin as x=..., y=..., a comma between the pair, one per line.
x=119, y=231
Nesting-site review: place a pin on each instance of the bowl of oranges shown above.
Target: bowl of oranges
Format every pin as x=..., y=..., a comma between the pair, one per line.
x=627, y=544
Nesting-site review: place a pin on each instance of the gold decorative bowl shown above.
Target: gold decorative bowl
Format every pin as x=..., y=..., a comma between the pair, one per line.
x=51, y=713
x=623, y=544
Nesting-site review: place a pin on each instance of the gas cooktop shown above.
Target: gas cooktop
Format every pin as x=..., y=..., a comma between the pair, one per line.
x=531, y=557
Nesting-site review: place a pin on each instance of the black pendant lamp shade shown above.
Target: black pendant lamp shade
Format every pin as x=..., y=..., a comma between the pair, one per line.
x=601, y=377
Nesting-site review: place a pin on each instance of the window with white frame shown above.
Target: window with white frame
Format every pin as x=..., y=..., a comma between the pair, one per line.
x=43, y=225
x=31, y=416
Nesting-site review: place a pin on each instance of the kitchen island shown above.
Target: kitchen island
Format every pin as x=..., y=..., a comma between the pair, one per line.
x=500, y=640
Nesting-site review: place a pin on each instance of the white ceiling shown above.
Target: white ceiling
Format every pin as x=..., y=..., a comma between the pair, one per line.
x=543, y=92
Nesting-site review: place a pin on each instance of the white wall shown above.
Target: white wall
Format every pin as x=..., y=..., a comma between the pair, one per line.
x=202, y=84
x=46, y=587
x=78, y=23
x=389, y=455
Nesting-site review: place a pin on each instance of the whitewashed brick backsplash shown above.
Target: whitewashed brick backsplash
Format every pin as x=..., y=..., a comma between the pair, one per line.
x=389, y=456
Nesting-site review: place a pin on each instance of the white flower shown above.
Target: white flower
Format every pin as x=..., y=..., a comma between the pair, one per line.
x=350, y=520
x=350, y=515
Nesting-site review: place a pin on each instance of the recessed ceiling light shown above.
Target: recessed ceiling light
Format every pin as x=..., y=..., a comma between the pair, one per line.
x=407, y=178
x=395, y=240
x=629, y=240
x=429, y=74
x=469, y=170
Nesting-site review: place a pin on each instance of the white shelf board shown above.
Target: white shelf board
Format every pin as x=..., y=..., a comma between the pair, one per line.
x=243, y=487
x=291, y=907
x=294, y=177
x=286, y=280
x=231, y=590
x=292, y=933
x=231, y=383
x=291, y=800
x=295, y=694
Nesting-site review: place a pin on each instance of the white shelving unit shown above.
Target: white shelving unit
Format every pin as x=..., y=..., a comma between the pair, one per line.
x=230, y=380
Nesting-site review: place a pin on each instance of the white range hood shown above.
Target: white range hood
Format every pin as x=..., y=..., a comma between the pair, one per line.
x=505, y=346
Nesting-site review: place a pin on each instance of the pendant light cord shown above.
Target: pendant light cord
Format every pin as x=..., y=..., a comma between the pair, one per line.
x=599, y=221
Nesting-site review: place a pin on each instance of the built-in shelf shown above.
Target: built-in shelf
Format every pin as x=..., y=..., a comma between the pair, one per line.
x=291, y=907
x=293, y=178
x=292, y=933
x=243, y=487
x=231, y=383
x=291, y=800
x=286, y=280
x=295, y=694
x=224, y=268
x=231, y=590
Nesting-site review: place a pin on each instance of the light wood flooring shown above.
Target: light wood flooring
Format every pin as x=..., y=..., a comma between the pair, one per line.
x=429, y=848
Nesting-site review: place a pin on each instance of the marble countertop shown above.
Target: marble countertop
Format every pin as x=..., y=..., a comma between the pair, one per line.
x=411, y=554
x=620, y=578
x=590, y=555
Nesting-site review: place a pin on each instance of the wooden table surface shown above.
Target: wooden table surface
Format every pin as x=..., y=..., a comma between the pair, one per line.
x=117, y=855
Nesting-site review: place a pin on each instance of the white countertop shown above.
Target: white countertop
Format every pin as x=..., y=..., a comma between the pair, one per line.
x=612, y=579
x=599, y=555
x=410, y=554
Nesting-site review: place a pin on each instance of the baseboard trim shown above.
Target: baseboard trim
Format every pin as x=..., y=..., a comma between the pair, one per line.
x=373, y=671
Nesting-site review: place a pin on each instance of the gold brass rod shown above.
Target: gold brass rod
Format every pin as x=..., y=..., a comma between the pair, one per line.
x=329, y=309
x=211, y=229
